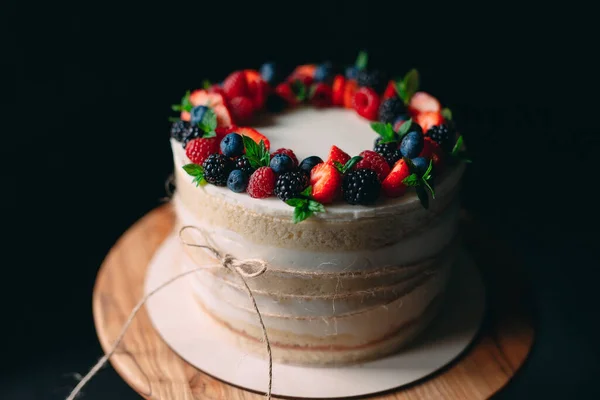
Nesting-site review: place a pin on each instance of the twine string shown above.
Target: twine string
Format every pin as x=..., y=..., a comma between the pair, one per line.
x=250, y=268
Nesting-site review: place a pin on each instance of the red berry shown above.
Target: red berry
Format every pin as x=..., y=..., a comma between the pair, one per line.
x=253, y=134
x=215, y=101
x=423, y=102
x=428, y=119
x=235, y=85
x=366, y=103
x=326, y=182
x=337, y=154
x=185, y=116
x=304, y=70
x=258, y=88
x=262, y=183
x=374, y=161
x=288, y=153
x=284, y=90
x=392, y=185
x=320, y=95
x=433, y=151
x=197, y=150
x=337, y=96
x=390, y=90
x=349, y=91
x=216, y=89
x=241, y=109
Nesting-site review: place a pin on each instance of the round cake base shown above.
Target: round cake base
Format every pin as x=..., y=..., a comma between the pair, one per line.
x=153, y=369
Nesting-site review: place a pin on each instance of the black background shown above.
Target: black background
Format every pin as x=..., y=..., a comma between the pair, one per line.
x=84, y=153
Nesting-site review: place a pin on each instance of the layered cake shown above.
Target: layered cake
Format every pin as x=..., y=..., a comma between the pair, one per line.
x=344, y=182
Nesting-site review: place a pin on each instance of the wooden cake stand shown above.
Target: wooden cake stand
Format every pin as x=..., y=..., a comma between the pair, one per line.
x=150, y=367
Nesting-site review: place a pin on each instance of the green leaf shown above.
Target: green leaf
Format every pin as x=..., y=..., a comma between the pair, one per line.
x=176, y=107
x=428, y=186
x=427, y=173
x=184, y=105
x=411, y=84
x=315, y=206
x=208, y=123
x=339, y=166
x=458, y=146
x=297, y=202
x=351, y=163
x=401, y=91
x=412, y=180
x=423, y=197
x=193, y=169
x=361, y=60
x=386, y=131
x=199, y=180
x=173, y=119
x=307, y=192
x=447, y=114
x=257, y=153
x=379, y=128
x=299, y=90
x=206, y=84
x=411, y=166
x=300, y=214
x=404, y=128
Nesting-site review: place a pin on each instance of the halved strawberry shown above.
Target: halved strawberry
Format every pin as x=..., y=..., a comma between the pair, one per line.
x=306, y=70
x=374, y=161
x=349, y=89
x=235, y=85
x=185, y=116
x=428, y=119
x=285, y=91
x=258, y=88
x=202, y=97
x=390, y=90
x=423, y=102
x=392, y=185
x=223, y=116
x=337, y=96
x=253, y=134
x=326, y=182
x=242, y=109
x=337, y=154
x=432, y=151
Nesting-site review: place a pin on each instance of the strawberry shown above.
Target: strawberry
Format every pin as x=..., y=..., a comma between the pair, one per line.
x=433, y=151
x=262, y=183
x=427, y=119
x=336, y=154
x=423, y=102
x=390, y=90
x=202, y=97
x=374, y=161
x=235, y=85
x=304, y=70
x=241, y=109
x=288, y=153
x=320, y=95
x=392, y=185
x=326, y=182
x=366, y=103
x=197, y=150
x=185, y=116
x=337, y=96
x=223, y=131
x=284, y=90
x=258, y=88
x=349, y=90
x=305, y=79
x=216, y=89
x=223, y=116
x=253, y=134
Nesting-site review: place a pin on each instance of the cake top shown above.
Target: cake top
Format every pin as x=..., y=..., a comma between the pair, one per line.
x=315, y=136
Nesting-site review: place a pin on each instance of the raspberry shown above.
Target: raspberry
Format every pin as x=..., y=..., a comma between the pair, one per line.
x=361, y=186
x=288, y=153
x=372, y=160
x=241, y=109
x=390, y=109
x=198, y=150
x=262, y=183
x=290, y=184
x=366, y=103
x=216, y=169
x=321, y=95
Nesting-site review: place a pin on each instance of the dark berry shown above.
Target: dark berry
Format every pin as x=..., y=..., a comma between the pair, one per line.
x=179, y=130
x=401, y=119
x=216, y=169
x=323, y=72
x=237, y=181
x=268, y=72
x=389, y=151
x=232, y=145
x=443, y=135
x=421, y=164
x=309, y=162
x=290, y=184
x=411, y=144
x=193, y=133
x=281, y=163
x=197, y=113
x=374, y=79
x=390, y=109
x=361, y=186
x=351, y=73
x=414, y=127
x=275, y=103
x=243, y=163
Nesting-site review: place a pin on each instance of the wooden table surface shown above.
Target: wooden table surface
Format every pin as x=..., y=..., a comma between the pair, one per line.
x=150, y=367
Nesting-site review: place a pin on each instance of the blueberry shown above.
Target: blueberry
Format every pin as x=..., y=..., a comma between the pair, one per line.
x=323, y=72
x=281, y=163
x=351, y=72
x=421, y=163
x=232, y=145
x=268, y=72
x=412, y=144
x=197, y=113
x=237, y=181
x=309, y=162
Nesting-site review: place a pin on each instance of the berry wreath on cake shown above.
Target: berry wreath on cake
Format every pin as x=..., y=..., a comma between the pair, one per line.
x=344, y=183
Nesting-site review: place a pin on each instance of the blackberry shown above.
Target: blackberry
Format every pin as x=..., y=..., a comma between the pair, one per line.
x=275, y=103
x=216, y=169
x=290, y=184
x=374, y=79
x=361, y=186
x=179, y=130
x=242, y=163
x=389, y=151
x=390, y=109
x=192, y=133
x=443, y=135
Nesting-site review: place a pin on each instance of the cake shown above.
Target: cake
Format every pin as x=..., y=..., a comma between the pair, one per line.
x=345, y=184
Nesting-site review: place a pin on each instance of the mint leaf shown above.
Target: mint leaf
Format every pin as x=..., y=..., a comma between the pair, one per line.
x=427, y=174
x=307, y=192
x=300, y=214
x=386, y=131
x=185, y=104
x=339, y=166
x=173, y=119
x=401, y=91
x=299, y=90
x=206, y=84
x=447, y=114
x=351, y=163
x=315, y=206
x=296, y=202
x=423, y=197
x=428, y=186
x=404, y=128
x=458, y=146
x=208, y=123
x=379, y=128
x=411, y=84
x=412, y=180
x=411, y=166
x=361, y=60
x=257, y=153
x=197, y=172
